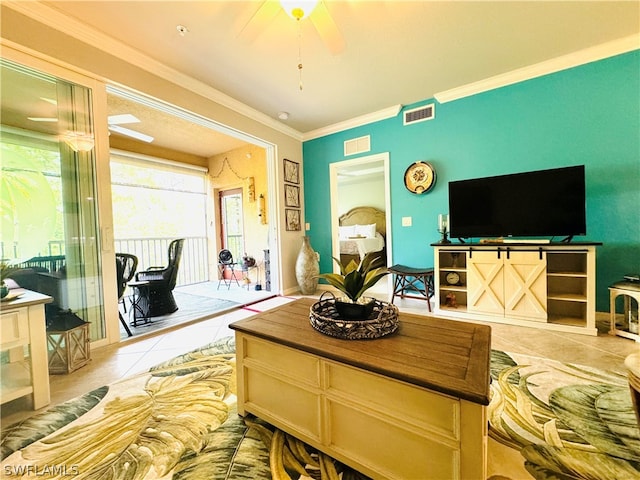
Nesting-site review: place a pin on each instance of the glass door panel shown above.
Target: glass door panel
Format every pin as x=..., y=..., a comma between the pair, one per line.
x=48, y=192
x=231, y=222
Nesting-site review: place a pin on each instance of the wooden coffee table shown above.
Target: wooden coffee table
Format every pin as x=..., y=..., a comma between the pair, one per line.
x=410, y=405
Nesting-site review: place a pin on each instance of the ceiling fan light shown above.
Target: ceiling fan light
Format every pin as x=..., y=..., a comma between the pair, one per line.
x=298, y=9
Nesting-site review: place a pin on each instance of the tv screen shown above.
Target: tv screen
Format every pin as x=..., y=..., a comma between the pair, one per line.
x=542, y=203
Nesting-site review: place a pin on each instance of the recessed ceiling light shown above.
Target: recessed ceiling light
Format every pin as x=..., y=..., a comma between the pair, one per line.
x=283, y=115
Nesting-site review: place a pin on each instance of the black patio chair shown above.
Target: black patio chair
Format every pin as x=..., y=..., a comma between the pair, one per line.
x=162, y=281
x=226, y=264
x=126, y=265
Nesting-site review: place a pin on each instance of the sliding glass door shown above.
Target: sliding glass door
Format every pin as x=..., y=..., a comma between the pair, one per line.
x=48, y=191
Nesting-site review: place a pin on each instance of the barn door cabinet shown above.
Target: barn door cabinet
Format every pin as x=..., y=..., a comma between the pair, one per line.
x=547, y=286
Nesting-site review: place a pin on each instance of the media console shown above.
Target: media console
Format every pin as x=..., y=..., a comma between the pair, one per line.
x=550, y=285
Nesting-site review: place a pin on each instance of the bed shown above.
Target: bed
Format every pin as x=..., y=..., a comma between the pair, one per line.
x=362, y=230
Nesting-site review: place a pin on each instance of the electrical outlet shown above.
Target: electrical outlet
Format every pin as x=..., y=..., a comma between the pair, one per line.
x=406, y=221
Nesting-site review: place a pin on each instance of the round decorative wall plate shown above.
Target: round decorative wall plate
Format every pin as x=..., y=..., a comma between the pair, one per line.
x=420, y=177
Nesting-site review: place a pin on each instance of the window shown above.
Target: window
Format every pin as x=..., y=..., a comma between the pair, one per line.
x=155, y=202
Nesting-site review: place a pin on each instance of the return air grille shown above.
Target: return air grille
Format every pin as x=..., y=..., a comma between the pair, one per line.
x=420, y=114
x=357, y=145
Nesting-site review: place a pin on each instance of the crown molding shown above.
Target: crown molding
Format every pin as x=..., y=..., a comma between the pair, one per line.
x=383, y=114
x=581, y=57
x=58, y=21
x=69, y=26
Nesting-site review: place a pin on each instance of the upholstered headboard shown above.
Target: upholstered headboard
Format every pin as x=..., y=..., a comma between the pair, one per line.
x=365, y=216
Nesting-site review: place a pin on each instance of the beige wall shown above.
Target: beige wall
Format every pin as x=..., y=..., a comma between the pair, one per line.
x=28, y=35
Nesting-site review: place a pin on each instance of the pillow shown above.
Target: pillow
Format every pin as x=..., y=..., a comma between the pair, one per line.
x=367, y=231
x=346, y=232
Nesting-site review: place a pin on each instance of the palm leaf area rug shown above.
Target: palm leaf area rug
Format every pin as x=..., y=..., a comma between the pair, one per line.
x=178, y=421
x=568, y=421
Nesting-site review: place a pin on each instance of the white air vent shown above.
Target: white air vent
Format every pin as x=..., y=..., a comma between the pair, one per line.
x=420, y=114
x=357, y=145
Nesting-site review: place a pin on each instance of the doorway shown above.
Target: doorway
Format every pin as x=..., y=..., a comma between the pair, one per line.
x=191, y=129
x=231, y=224
x=345, y=180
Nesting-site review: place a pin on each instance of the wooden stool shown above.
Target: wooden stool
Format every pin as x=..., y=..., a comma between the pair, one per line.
x=416, y=279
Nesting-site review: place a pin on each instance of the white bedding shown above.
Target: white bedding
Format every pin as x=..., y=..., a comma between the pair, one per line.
x=361, y=246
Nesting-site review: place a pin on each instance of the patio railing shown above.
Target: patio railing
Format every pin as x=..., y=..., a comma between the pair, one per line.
x=152, y=252
x=54, y=247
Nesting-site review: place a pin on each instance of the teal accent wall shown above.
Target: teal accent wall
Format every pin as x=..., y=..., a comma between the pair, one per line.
x=584, y=115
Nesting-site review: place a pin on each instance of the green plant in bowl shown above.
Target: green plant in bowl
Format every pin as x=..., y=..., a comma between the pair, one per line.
x=354, y=280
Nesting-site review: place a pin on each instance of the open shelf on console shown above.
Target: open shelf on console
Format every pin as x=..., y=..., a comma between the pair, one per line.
x=452, y=261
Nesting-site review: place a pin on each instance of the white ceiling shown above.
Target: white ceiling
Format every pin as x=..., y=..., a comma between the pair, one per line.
x=395, y=53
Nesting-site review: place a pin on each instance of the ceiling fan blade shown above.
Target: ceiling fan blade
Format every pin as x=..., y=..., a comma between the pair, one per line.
x=327, y=28
x=131, y=133
x=260, y=20
x=122, y=118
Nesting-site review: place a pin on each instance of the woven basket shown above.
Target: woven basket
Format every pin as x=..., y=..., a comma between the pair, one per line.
x=325, y=318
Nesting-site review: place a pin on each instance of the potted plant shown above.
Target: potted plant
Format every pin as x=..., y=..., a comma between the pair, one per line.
x=5, y=270
x=353, y=280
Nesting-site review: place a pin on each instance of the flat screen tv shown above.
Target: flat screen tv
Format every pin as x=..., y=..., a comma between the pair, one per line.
x=542, y=203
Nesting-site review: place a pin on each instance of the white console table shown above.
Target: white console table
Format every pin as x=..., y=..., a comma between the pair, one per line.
x=551, y=285
x=22, y=324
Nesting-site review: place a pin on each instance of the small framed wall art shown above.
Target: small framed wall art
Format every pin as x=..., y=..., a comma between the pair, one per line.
x=293, y=219
x=291, y=171
x=292, y=196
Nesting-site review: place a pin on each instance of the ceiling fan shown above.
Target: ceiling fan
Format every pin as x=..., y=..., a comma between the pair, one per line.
x=115, y=121
x=316, y=11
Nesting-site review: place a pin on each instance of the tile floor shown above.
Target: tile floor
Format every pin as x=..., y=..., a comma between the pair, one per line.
x=196, y=302
x=114, y=362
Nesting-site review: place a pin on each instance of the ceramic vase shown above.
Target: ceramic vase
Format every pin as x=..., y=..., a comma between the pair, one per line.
x=307, y=268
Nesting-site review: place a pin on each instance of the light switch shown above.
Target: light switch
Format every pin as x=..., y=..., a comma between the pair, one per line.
x=406, y=221
x=307, y=226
